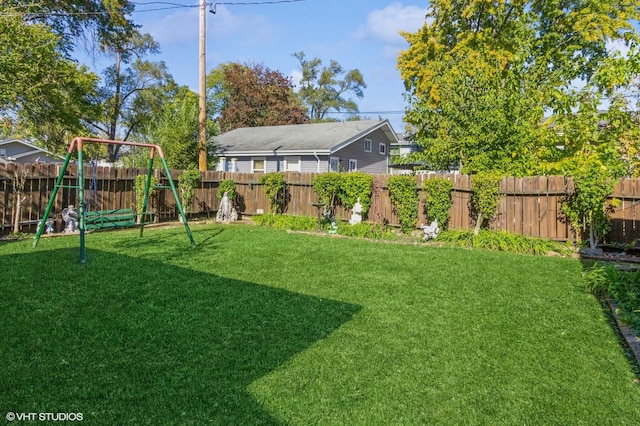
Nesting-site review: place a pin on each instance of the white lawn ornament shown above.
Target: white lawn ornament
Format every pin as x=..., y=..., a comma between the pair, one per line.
x=49, y=226
x=430, y=231
x=226, y=211
x=70, y=217
x=356, y=216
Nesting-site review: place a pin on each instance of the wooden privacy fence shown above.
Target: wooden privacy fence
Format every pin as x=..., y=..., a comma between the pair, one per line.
x=528, y=206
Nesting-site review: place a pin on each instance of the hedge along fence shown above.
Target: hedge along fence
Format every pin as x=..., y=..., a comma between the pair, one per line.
x=528, y=206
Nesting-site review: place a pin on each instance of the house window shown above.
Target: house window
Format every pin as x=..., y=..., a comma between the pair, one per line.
x=257, y=165
x=367, y=145
x=353, y=165
x=334, y=164
x=292, y=164
x=382, y=149
x=3, y=152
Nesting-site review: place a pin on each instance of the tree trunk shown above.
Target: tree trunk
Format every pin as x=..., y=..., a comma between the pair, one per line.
x=478, y=224
x=16, y=220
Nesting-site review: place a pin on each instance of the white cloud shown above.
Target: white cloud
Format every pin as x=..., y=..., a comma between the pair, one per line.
x=385, y=25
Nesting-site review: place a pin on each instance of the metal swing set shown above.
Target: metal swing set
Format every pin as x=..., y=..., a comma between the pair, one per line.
x=100, y=219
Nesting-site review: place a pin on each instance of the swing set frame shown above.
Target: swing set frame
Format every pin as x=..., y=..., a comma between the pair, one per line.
x=77, y=145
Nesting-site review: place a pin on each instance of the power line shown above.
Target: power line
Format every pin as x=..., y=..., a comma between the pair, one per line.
x=248, y=3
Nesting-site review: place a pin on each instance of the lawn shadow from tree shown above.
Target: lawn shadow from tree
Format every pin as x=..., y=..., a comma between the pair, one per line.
x=128, y=340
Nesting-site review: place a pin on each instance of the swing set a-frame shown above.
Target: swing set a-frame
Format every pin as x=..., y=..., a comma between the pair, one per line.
x=77, y=145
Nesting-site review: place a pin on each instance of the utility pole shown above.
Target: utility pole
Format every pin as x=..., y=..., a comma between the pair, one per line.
x=202, y=116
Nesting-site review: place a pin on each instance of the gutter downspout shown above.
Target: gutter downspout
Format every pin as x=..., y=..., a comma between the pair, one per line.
x=318, y=159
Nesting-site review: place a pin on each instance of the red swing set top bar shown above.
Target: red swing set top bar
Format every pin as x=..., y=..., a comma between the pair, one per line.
x=79, y=141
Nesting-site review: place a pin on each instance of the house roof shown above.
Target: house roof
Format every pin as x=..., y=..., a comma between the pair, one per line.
x=31, y=149
x=318, y=138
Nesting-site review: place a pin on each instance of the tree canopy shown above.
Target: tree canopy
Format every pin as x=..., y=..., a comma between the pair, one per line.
x=481, y=75
x=322, y=90
x=254, y=96
x=42, y=93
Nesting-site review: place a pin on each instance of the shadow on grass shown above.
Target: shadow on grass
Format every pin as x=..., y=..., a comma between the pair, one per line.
x=125, y=340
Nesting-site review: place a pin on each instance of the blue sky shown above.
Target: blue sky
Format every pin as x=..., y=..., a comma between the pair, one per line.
x=360, y=34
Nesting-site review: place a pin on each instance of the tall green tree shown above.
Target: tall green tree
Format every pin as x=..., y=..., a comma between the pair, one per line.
x=43, y=94
x=480, y=74
x=130, y=93
x=253, y=96
x=176, y=131
x=77, y=23
x=324, y=89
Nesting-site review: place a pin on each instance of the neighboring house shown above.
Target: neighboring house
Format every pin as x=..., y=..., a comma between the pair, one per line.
x=399, y=152
x=19, y=151
x=319, y=147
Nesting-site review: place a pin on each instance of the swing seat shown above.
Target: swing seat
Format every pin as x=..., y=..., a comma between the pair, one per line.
x=108, y=219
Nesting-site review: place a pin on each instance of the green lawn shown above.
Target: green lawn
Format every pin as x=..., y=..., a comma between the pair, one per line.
x=259, y=326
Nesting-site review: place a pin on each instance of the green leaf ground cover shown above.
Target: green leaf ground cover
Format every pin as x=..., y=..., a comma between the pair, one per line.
x=260, y=326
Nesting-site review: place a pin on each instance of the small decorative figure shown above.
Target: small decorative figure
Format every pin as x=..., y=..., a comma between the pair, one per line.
x=49, y=226
x=431, y=231
x=333, y=229
x=70, y=217
x=356, y=215
x=226, y=211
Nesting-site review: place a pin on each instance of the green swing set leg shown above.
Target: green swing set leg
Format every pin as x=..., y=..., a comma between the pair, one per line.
x=51, y=200
x=175, y=196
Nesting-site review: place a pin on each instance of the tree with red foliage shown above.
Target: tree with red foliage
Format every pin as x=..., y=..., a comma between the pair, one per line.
x=255, y=96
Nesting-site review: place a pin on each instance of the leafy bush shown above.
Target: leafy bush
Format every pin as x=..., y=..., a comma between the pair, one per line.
x=610, y=282
x=293, y=223
x=140, y=183
x=328, y=188
x=485, y=197
x=437, y=200
x=188, y=181
x=502, y=241
x=276, y=189
x=354, y=186
x=586, y=205
x=228, y=186
x=403, y=191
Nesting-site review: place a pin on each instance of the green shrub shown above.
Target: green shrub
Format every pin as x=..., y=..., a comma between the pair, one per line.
x=622, y=286
x=437, y=200
x=188, y=181
x=293, y=223
x=485, y=197
x=502, y=241
x=276, y=189
x=228, y=186
x=586, y=205
x=328, y=188
x=403, y=191
x=140, y=183
x=354, y=186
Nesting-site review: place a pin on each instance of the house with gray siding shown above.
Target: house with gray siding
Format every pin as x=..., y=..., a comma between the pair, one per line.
x=319, y=147
x=20, y=151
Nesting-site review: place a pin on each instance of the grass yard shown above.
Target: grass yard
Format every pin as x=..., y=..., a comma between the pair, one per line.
x=259, y=326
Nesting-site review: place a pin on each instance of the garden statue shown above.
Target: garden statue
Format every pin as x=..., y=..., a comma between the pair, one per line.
x=70, y=217
x=226, y=211
x=356, y=215
x=430, y=231
x=49, y=225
